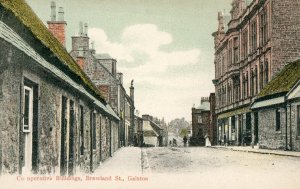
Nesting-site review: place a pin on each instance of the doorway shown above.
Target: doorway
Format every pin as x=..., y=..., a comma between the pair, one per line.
x=256, y=127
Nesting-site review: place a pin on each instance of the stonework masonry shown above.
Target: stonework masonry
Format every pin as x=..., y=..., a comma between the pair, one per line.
x=50, y=123
x=260, y=38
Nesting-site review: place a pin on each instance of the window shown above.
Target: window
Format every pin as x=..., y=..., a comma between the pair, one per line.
x=266, y=72
x=252, y=83
x=230, y=52
x=253, y=36
x=236, y=50
x=278, y=119
x=255, y=81
x=263, y=31
x=261, y=76
x=245, y=44
x=199, y=119
x=245, y=86
x=81, y=130
x=298, y=120
x=28, y=103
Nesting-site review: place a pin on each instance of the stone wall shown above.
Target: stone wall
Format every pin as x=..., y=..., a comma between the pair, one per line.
x=293, y=139
x=10, y=76
x=14, y=72
x=285, y=33
x=268, y=136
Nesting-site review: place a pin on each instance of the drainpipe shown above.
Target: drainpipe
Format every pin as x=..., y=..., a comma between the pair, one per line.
x=110, y=136
x=286, y=125
x=291, y=146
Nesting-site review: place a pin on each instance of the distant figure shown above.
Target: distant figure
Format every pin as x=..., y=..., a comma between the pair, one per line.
x=185, y=140
x=174, y=142
x=170, y=143
x=207, y=141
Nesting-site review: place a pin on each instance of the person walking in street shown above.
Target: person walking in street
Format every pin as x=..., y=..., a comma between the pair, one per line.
x=185, y=140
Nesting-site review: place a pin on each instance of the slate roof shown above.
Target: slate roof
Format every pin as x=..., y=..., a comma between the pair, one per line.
x=283, y=81
x=30, y=20
x=150, y=133
x=204, y=106
x=103, y=56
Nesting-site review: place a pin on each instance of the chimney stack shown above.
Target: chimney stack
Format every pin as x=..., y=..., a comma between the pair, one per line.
x=53, y=11
x=57, y=28
x=80, y=58
x=81, y=40
x=132, y=91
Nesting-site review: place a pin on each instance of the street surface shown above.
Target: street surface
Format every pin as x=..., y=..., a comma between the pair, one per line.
x=196, y=167
x=182, y=168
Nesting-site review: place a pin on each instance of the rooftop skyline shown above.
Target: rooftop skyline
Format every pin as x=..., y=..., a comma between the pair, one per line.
x=165, y=46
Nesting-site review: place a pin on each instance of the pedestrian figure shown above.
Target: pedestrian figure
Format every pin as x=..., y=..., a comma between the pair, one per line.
x=174, y=142
x=207, y=141
x=225, y=140
x=185, y=140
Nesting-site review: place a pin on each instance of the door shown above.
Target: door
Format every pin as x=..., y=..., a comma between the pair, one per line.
x=63, y=150
x=71, y=139
x=256, y=127
x=27, y=129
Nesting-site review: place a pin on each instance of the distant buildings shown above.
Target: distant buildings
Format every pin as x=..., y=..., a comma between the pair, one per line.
x=200, y=123
x=152, y=132
x=102, y=70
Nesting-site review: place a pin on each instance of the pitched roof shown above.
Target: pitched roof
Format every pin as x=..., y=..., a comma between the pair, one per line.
x=150, y=133
x=204, y=106
x=283, y=81
x=103, y=56
x=30, y=20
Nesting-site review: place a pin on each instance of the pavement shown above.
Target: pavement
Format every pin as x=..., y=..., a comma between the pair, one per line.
x=124, y=161
x=255, y=149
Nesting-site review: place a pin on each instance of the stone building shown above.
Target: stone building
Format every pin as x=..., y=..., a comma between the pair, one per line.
x=53, y=120
x=140, y=136
x=102, y=69
x=250, y=50
x=212, y=133
x=200, y=123
x=278, y=110
x=152, y=132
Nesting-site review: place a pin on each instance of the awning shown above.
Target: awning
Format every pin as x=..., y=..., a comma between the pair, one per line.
x=269, y=102
x=234, y=112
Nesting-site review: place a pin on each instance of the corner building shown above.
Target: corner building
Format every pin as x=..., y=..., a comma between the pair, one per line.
x=251, y=46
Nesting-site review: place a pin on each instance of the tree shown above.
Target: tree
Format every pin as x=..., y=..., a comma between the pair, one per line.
x=183, y=132
x=176, y=125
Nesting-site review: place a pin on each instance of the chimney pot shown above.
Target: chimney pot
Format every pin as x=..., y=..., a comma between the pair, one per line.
x=85, y=30
x=80, y=29
x=60, y=14
x=53, y=11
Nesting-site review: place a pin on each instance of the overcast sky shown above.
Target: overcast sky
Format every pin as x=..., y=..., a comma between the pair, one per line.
x=166, y=46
